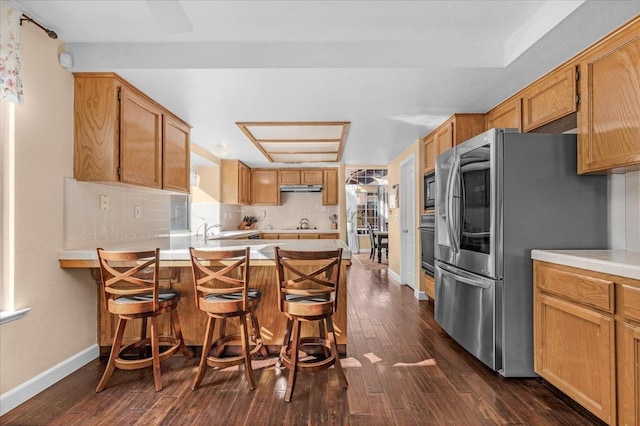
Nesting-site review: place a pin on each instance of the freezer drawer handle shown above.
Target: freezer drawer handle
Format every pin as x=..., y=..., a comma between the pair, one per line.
x=465, y=278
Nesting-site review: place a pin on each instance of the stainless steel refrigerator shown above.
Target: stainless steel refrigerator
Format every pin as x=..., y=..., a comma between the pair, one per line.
x=500, y=195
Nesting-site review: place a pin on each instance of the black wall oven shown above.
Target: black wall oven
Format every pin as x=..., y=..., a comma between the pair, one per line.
x=427, y=240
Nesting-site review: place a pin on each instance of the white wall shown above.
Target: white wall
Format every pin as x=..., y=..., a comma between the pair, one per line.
x=62, y=322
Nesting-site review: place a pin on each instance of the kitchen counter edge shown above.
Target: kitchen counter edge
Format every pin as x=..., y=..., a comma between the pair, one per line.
x=614, y=262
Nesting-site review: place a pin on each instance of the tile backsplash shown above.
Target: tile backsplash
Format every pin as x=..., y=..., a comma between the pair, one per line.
x=294, y=206
x=88, y=223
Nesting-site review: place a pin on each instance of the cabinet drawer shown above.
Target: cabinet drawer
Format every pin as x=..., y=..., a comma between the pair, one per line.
x=589, y=291
x=631, y=302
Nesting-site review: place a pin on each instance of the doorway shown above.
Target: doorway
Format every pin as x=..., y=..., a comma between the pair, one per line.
x=407, y=222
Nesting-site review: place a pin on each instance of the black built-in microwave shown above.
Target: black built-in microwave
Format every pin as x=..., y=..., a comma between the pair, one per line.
x=430, y=191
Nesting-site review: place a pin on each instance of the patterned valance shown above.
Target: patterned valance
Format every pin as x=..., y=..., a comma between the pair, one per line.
x=10, y=82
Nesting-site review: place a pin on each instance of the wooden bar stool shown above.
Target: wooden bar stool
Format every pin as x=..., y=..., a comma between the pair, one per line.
x=224, y=293
x=309, y=296
x=132, y=292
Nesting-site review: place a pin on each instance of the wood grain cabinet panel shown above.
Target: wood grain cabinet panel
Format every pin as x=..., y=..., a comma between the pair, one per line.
x=574, y=351
x=455, y=130
x=330, y=187
x=429, y=154
x=120, y=135
x=550, y=98
x=290, y=177
x=609, y=118
x=141, y=140
x=629, y=407
x=265, y=189
x=311, y=177
x=444, y=137
x=236, y=182
x=176, y=154
x=507, y=115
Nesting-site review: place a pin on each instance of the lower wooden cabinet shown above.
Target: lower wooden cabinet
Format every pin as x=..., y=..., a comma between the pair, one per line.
x=587, y=339
x=575, y=353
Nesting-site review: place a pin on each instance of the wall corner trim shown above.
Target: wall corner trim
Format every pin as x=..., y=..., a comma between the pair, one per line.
x=420, y=295
x=21, y=393
x=394, y=275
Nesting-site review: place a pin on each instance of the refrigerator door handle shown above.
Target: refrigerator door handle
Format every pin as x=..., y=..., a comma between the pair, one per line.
x=449, y=206
x=465, y=277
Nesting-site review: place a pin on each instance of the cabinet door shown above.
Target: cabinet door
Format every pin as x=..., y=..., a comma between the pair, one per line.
x=244, y=184
x=290, y=177
x=330, y=187
x=549, y=99
x=311, y=177
x=608, y=129
x=444, y=138
x=629, y=398
x=507, y=115
x=575, y=351
x=429, y=154
x=176, y=154
x=96, y=148
x=265, y=188
x=140, y=140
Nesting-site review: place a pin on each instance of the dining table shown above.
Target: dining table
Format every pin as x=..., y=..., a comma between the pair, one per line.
x=383, y=240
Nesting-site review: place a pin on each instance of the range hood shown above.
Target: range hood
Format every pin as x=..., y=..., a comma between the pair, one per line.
x=300, y=188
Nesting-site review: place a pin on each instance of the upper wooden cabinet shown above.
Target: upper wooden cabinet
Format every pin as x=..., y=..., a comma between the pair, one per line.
x=311, y=177
x=176, y=154
x=457, y=129
x=265, y=189
x=609, y=115
x=330, y=187
x=550, y=98
x=290, y=177
x=429, y=154
x=236, y=182
x=507, y=115
x=120, y=135
x=301, y=177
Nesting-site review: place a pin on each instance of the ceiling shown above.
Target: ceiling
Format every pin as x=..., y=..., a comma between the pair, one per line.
x=393, y=69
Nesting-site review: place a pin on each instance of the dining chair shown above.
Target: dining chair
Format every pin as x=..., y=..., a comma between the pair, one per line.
x=221, y=280
x=130, y=288
x=308, y=284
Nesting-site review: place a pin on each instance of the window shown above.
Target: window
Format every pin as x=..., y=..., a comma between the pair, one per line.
x=371, y=188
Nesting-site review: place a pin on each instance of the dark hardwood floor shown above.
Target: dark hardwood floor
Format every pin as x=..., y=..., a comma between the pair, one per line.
x=387, y=326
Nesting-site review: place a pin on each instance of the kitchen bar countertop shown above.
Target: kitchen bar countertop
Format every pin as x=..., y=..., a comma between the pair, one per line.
x=176, y=248
x=614, y=262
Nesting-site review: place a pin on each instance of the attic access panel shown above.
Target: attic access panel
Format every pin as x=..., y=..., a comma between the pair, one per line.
x=298, y=142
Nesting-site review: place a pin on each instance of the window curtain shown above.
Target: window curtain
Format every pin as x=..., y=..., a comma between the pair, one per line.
x=10, y=82
x=352, y=224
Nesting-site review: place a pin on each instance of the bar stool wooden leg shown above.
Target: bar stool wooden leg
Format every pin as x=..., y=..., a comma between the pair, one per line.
x=217, y=352
x=208, y=338
x=155, y=353
x=177, y=328
x=257, y=335
x=247, y=352
x=143, y=337
x=115, y=351
x=293, y=370
x=285, y=342
x=334, y=350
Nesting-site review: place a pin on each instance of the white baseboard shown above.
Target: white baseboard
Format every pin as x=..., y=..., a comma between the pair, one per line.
x=420, y=295
x=393, y=274
x=21, y=393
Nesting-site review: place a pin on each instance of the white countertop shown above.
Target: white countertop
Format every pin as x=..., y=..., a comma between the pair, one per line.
x=614, y=262
x=177, y=247
x=299, y=231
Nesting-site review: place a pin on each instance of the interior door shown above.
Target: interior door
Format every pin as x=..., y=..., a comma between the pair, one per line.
x=407, y=223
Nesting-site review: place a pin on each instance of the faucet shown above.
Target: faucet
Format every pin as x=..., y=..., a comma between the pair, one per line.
x=207, y=229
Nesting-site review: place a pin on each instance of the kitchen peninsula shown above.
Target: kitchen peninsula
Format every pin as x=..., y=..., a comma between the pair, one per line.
x=176, y=270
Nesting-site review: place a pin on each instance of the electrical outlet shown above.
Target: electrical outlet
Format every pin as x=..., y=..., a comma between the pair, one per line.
x=104, y=202
x=137, y=212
